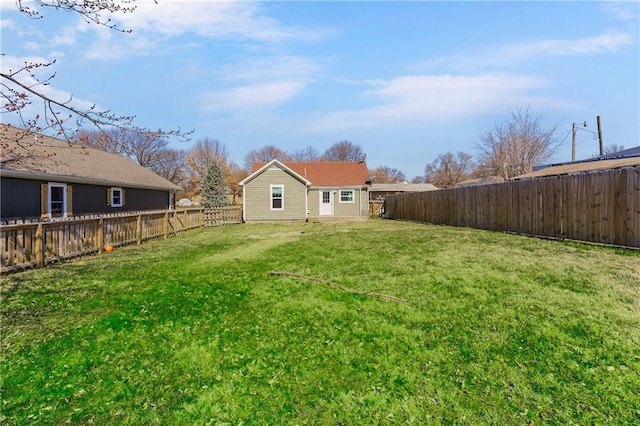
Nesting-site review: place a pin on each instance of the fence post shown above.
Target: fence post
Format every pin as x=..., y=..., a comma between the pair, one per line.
x=100, y=236
x=139, y=229
x=165, y=224
x=39, y=246
x=185, y=222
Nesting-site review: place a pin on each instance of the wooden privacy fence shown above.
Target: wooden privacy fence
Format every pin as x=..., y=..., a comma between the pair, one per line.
x=601, y=207
x=36, y=244
x=375, y=208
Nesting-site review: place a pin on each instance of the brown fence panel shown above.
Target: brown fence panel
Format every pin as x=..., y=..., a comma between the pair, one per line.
x=36, y=244
x=223, y=216
x=601, y=207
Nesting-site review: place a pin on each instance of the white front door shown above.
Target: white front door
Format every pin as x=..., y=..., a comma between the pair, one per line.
x=326, y=203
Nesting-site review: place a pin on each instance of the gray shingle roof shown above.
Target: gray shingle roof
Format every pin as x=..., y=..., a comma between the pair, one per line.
x=33, y=156
x=402, y=187
x=580, y=167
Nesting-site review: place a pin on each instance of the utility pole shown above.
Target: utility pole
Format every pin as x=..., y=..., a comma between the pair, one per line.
x=574, y=130
x=600, y=136
x=573, y=142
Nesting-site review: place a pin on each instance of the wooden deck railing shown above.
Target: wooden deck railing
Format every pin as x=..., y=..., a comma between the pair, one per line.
x=37, y=244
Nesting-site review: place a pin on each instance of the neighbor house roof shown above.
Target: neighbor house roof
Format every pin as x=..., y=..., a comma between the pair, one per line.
x=402, y=187
x=629, y=152
x=327, y=173
x=488, y=180
x=28, y=155
x=586, y=166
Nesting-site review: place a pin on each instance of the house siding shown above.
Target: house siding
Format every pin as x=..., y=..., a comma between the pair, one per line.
x=89, y=199
x=21, y=199
x=348, y=209
x=314, y=202
x=257, y=195
x=359, y=205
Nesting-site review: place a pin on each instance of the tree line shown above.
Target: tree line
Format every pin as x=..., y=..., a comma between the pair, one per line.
x=205, y=171
x=208, y=175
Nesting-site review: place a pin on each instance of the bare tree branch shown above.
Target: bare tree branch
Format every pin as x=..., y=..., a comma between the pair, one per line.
x=20, y=87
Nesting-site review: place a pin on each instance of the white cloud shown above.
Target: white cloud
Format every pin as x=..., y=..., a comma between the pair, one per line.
x=252, y=96
x=31, y=45
x=209, y=19
x=603, y=43
x=260, y=83
x=625, y=11
x=275, y=67
x=65, y=37
x=518, y=53
x=153, y=25
x=428, y=100
x=7, y=24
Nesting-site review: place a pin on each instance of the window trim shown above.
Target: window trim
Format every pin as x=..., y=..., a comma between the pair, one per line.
x=353, y=196
x=112, y=192
x=64, y=198
x=272, y=198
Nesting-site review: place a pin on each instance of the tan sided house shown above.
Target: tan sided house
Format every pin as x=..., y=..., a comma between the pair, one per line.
x=302, y=191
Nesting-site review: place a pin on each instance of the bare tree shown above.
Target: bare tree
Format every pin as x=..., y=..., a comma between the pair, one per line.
x=25, y=85
x=264, y=155
x=384, y=174
x=613, y=148
x=308, y=154
x=236, y=174
x=448, y=169
x=344, y=151
x=170, y=164
x=514, y=147
x=200, y=157
x=143, y=147
x=205, y=152
x=418, y=179
x=147, y=149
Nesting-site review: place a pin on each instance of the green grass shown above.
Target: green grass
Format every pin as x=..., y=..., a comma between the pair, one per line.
x=497, y=329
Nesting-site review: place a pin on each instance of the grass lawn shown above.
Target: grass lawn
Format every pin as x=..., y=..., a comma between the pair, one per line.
x=496, y=329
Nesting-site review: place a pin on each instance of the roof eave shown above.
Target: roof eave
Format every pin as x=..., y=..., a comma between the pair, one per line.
x=20, y=174
x=269, y=164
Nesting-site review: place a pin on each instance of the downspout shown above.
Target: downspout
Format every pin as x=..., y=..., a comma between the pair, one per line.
x=244, y=206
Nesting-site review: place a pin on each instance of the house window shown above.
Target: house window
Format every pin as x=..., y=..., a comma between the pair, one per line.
x=57, y=196
x=116, y=197
x=346, y=196
x=277, y=197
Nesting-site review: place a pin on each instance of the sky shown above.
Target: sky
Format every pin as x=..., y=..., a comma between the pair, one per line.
x=406, y=81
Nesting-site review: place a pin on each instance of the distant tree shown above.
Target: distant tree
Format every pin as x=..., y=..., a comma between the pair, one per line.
x=236, y=174
x=214, y=187
x=264, y=155
x=448, y=169
x=143, y=147
x=514, y=147
x=204, y=152
x=147, y=149
x=384, y=174
x=418, y=179
x=344, y=151
x=308, y=154
x=613, y=148
x=170, y=164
